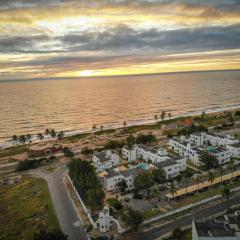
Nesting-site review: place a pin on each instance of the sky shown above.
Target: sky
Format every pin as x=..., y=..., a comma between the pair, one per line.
x=69, y=38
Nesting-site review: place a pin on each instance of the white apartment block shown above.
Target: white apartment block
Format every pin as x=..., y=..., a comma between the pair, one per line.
x=234, y=149
x=204, y=139
x=130, y=153
x=105, y=160
x=223, y=155
x=113, y=178
x=185, y=149
x=226, y=229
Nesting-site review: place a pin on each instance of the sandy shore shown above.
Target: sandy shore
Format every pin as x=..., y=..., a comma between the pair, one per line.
x=9, y=143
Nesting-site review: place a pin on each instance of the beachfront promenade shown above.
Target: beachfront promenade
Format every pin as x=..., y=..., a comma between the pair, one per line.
x=205, y=184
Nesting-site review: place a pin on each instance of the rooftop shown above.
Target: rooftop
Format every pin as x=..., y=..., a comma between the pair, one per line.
x=165, y=163
x=112, y=174
x=216, y=149
x=211, y=228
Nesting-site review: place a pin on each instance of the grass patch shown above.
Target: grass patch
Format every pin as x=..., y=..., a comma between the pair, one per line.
x=13, y=150
x=76, y=138
x=107, y=131
x=25, y=207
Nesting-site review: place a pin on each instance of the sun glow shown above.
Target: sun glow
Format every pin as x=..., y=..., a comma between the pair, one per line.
x=86, y=73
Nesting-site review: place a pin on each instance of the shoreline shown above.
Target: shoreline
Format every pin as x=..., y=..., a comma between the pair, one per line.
x=115, y=126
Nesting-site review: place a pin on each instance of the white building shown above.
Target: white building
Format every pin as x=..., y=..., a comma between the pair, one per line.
x=223, y=155
x=216, y=230
x=105, y=159
x=130, y=153
x=185, y=149
x=113, y=178
x=171, y=168
x=104, y=220
x=234, y=149
x=204, y=139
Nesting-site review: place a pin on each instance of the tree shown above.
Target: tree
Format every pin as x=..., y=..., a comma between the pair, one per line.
x=169, y=115
x=47, y=132
x=86, y=182
x=143, y=181
x=95, y=197
x=133, y=218
x=163, y=115
x=122, y=185
x=177, y=234
x=94, y=127
x=198, y=180
x=60, y=135
x=22, y=139
x=130, y=141
x=209, y=161
x=186, y=178
x=173, y=189
x=101, y=127
x=232, y=167
x=221, y=172
x=44, y=235
x=226, y=193
x=159, y=176
x=156, y=117
x=203, y=115
x=124, y=123
x=15, y=138
x=40, y=136
x=115, y=203
x=211, y=177
x=53, y=133
x=145, y=139
x=67, y=152
x=29, y=137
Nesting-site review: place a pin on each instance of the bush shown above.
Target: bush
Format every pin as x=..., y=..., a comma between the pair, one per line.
x=115, y=203
x=112, y=144
x=145, y=139
x=67, y=152
x=178, y=234
x=86, y=151
x=27, y=164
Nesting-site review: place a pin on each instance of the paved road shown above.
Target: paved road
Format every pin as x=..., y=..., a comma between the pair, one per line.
x=66, y=214
x=183, y=221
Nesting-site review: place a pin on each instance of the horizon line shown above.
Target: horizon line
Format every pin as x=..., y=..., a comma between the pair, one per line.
x=113, y=76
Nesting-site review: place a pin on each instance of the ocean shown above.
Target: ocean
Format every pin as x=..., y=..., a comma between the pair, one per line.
x=77, y=104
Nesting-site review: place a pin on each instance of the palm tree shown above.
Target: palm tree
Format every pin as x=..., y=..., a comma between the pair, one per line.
x=60, y=135
x=232, y=167
x=211, y=177
x=203, y=115
x=186, y=180
x=221, y=172
x=173, y=189
x=15, y=138
x=169, y=115
x=53, y=133
x=226, y=192
x=156, y=117
x=47, y=132
x=101, y=127
x=124, y=123
x=94, y=127
x=198, y=180
x=163, y=115
x=29, y=137
x=40, y=136
x=22, y=139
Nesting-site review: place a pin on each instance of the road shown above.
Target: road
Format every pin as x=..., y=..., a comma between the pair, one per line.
x=68, y=219
x=183, y=221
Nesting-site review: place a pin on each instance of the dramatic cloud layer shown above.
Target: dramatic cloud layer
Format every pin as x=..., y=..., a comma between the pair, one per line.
x=64, y=38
